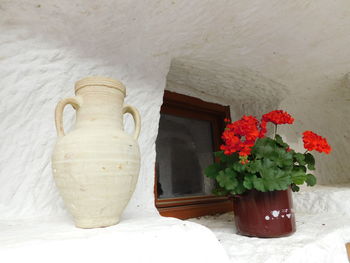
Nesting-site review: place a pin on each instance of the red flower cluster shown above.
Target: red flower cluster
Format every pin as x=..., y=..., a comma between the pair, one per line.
x=263, y=129
x=276, y=117
x=312, y=141
x=240, y=136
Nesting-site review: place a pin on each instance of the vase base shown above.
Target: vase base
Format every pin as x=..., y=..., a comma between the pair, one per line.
x=96, y=223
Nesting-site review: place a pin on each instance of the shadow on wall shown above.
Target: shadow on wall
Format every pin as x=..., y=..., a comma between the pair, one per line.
x=246, y=91
x=326, y=112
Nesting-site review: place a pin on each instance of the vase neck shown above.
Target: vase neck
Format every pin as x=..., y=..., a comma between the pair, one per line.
x=101, y=108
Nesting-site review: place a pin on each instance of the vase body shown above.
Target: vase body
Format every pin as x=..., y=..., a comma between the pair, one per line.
x=96, y=164
x=264, y=214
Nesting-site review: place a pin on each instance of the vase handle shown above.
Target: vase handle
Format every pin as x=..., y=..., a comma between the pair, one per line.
x=76, y=103
x=137, y=119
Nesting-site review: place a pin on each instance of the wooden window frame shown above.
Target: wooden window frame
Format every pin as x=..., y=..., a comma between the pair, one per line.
x=189, y=107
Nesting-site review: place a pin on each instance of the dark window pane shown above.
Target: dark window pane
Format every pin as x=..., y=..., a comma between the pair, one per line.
x=184, y=149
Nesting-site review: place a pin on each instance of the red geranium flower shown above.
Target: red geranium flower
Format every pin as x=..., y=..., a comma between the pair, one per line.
x=263, y=129
x=240, y=136
x=278, y=117
x=312, y=141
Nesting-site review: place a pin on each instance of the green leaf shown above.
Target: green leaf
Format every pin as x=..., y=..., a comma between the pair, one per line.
x=249, y=181
x=299, y=177
x=301, y=168
x=227, y=179
x=271, y=149
x=212, y=170
x=279, y=140
x=300, y=158
x=283, y=158
x=311, y=180
x=310, y=161
x=240, y=189
x=259, y=185
x=263, y=147
x=311, y=167
x=238, y=167
x=295, y=188
x=267, y=163
x=227, y=159
x=254, y=166
x=275, y=179
x=220, y=191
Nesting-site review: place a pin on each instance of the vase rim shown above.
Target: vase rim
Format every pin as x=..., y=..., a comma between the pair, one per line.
x=100, y=81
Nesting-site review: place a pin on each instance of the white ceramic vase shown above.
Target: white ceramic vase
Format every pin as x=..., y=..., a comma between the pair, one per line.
x=96, y=164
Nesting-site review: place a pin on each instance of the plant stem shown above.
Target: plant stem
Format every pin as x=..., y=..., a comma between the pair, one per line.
x=275, y=130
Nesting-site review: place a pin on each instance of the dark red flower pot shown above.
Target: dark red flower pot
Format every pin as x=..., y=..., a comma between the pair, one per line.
x=269, y=214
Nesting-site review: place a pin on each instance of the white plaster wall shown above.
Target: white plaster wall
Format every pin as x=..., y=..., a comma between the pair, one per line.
x=28, y=132
x=39, y=66
x=326, y=113
x=245, y=91
x=256, y=55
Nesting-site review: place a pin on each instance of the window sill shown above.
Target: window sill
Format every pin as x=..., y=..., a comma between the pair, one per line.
x=196, y=210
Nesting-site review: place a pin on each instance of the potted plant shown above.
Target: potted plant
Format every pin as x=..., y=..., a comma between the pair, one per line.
x=260, y=172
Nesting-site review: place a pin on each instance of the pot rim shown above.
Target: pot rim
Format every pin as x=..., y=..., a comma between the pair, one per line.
x=100, y=81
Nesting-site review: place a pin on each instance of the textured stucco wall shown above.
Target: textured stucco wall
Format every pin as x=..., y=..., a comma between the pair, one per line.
x=326, y=113
x=41, y=58
x=255, y=55
x=28, y=132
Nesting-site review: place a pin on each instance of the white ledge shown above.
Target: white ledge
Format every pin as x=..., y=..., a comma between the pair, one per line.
x=152, y=239
x=323, y=229
x=317, y=239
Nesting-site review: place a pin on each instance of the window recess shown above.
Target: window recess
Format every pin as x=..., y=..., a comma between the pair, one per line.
x=189, y=133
